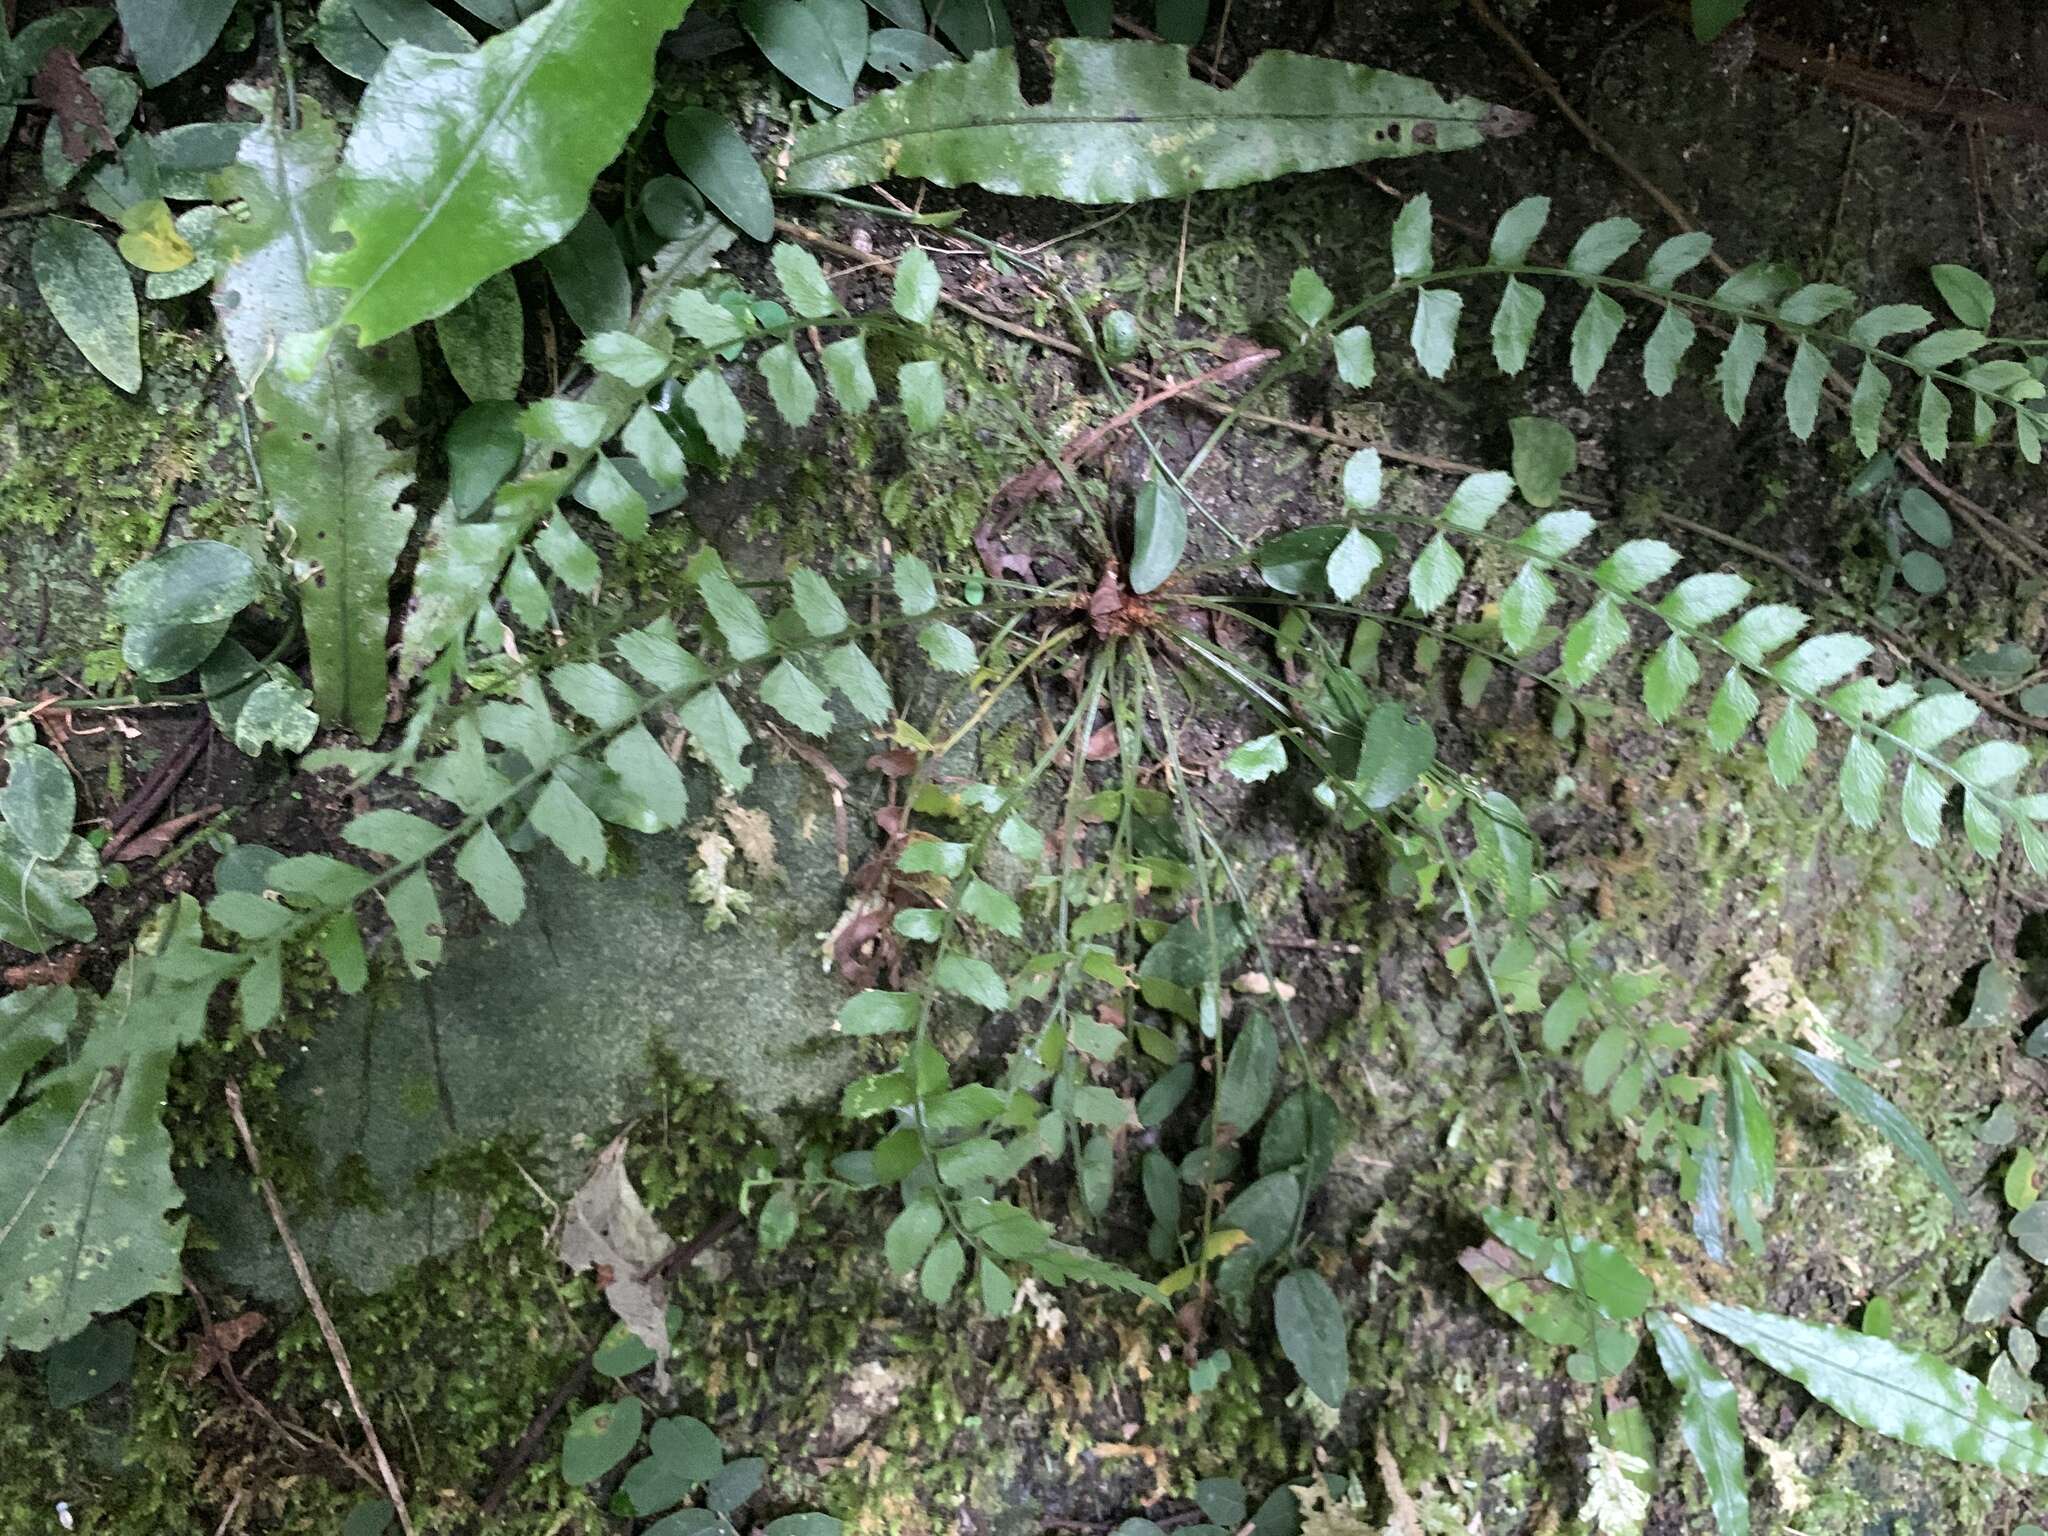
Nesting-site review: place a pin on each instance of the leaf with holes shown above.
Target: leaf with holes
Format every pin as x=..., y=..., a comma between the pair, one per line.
x=1127, y=122
x=332, y=479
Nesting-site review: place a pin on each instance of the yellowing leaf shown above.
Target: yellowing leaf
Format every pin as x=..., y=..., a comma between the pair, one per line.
x=150, y=242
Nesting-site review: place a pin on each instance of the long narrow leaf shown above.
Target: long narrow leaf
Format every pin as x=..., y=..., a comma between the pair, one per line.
x=1708, y=1420
x=1881, y=1115
x=1884, y=1387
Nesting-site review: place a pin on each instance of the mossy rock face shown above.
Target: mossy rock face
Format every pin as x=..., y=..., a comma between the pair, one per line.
x=544, y=1033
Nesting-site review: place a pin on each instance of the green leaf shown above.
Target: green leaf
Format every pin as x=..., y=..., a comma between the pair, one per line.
x=560, y=816
x=738, y=617
x=1665, y=350
x=796, y=38
x=1710, y=1421
x=709, y=152
x=717, y=410
x=1676, y=257
x=859, y=683
x=1252, y=761
x=1669, y=677
x=879, y=1013
x=197, y=581
x=1296, y=561
x=38, y=802
x=1398, y=749
x=942, y=1270
x=1313, y=1335
x=922, y=385
x=87, y=289
x=1514, y=324
x=803, y=281
x=1593, y=337
x=488, y=870
x=1249, y=1074
x=1517, y=231
x=648, y=795
x=682, y=1452
x=910, y=1235
x=625, y=357
x=717, y=732
x=1435, y=574
x=1862, y=783
x=1866, y=407
x=1737, y=368
x=1967, y=295
x=483, y=340
x=1544, y=453
x=916, y=592
x=790, y=385
x=1882, y=1116
x=332, y=480
x=1351, y=565
x=1160, y=533
x=1735, y=705
x=167, y=40
x=948, y=648
x=971, y=978
x=1602, y=245
x=1933, y=421
x=797, y=699
x=1309, y=298
x=1411, y=239
x=846, y=372
x=1802, y=389
x=823, y=614
x=1434, y=336
x=599, y=1439
x=575, y=562
x=1926, y=517
x=916, y=293
x=440, y=186
x=1592, y=641
x=1353, y=349
x=1119, y=125
x=1890, y=1390
x=1362, y=479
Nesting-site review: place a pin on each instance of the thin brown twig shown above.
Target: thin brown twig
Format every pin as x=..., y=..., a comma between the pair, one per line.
x=1042, y=479
x=233, y=1093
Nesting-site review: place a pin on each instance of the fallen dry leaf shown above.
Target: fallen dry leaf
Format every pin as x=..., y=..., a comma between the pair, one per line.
x=218, y=1344
x=609, y=1229
x=81, y=120
x=50, y=971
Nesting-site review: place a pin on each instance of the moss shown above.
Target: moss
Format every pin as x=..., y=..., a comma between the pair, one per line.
x=77, y=453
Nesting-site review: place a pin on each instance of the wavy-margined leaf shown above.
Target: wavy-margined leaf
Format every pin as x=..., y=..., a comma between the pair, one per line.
x=1903, y=1393
x=462, y=560
x=1708, y=1420
x=441, y=186
x=1127, y=122
x=85, y=1178
x=333, y=482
